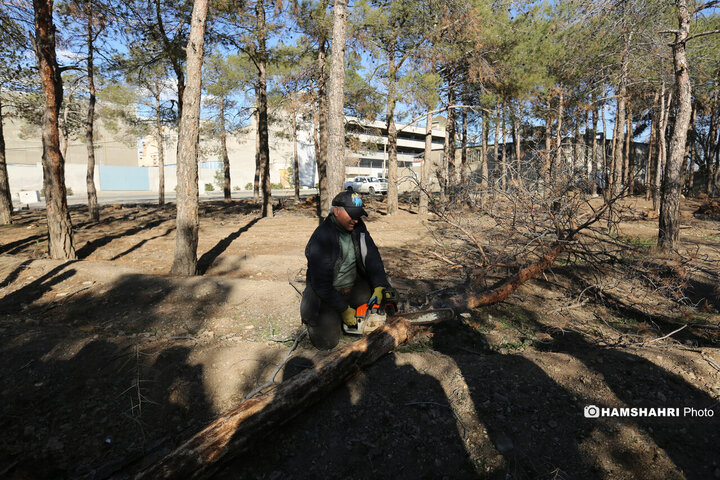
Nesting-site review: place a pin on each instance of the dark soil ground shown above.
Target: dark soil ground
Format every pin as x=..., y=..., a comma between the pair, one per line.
x=108, y=362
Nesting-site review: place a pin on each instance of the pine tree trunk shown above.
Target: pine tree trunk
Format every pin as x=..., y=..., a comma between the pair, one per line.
x=258, y=162
x=618, y=143
x=65, y=134
x=450, y=161
x=649, y=163
x=518, y=146
x=661, y=145
x=336, y=103
x=6, y=207
x=93, y=208
x=628, y=159
x=227, y=191
x=558, y=134
x=267, y=207
x=392, y=193
x=547, y=153
x=464, y=147
x=484, y=151
x=605, y=173
x=692, y=142
x=669, y=224
x=60, y=236
x=324, y=199
x=161, y=146
x=424, y=199
x=503, y=161
x=593, y=153
x=496, y=168
x=186, y=233
x=575, y=148
x=296, y=163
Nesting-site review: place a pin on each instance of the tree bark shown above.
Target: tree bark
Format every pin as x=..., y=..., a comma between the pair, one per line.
x=258, y=162
x=392, y=193
x=484, y=151
x=604, y=163
x=503, y=161
x=324, y=199
x=160, y=139
x=518, y=144
x=93, y=208
x=628, y=158
x=508, y=286
x=547, y=153
x=186, y=236
x=6, y=207
x=449, y=153
x=593, y=153
x=558, y=134
x=424, y=198
x=336, y=105
x=296, y=163
x=669, y=224
x=618, y=142
x=60, y=236
x=464, y=146
x=689, y=169
x=227, y=189
x=665, y=105
x=267, y=207
x=651, y=146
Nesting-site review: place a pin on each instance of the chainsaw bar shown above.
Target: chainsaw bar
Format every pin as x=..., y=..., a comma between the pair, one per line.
x=428, y=317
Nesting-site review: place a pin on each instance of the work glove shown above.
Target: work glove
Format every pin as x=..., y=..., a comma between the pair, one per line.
x=377, y=296
x=348, y=317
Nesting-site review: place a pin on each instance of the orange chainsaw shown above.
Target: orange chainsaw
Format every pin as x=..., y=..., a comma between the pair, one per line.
x=373, y=314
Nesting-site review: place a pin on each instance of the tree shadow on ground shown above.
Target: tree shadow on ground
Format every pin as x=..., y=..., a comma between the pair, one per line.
x=143, y=242
x=102, y=383
x=93, y=245
x=691, y=442
x=539, y=424
x=389, y=421
x=523, y=409
x=22, y=297
x=207, y=259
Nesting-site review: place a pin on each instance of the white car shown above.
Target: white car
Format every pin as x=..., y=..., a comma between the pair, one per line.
x=371, y=185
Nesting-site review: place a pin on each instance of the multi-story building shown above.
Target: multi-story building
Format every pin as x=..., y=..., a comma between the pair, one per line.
x=367, y=147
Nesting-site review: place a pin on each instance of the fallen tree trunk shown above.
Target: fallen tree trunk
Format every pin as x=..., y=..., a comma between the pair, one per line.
x=503, y=290
x=234, y=432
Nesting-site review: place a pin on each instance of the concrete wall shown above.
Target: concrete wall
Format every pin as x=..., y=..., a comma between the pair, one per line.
x=30, y=177
x=23, y=146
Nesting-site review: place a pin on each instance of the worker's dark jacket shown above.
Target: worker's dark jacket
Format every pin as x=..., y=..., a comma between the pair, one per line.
x=324, y=259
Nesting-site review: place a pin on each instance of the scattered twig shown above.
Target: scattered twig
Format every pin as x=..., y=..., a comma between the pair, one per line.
x=293, y=285
x=661, y=338
x=444, y=259
x=272, y=381
x=712, y=364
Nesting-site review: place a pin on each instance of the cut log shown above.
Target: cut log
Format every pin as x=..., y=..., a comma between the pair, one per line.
x=231, y=434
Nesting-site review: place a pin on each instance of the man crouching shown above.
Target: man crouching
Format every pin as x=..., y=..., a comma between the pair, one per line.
x=344, y=271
